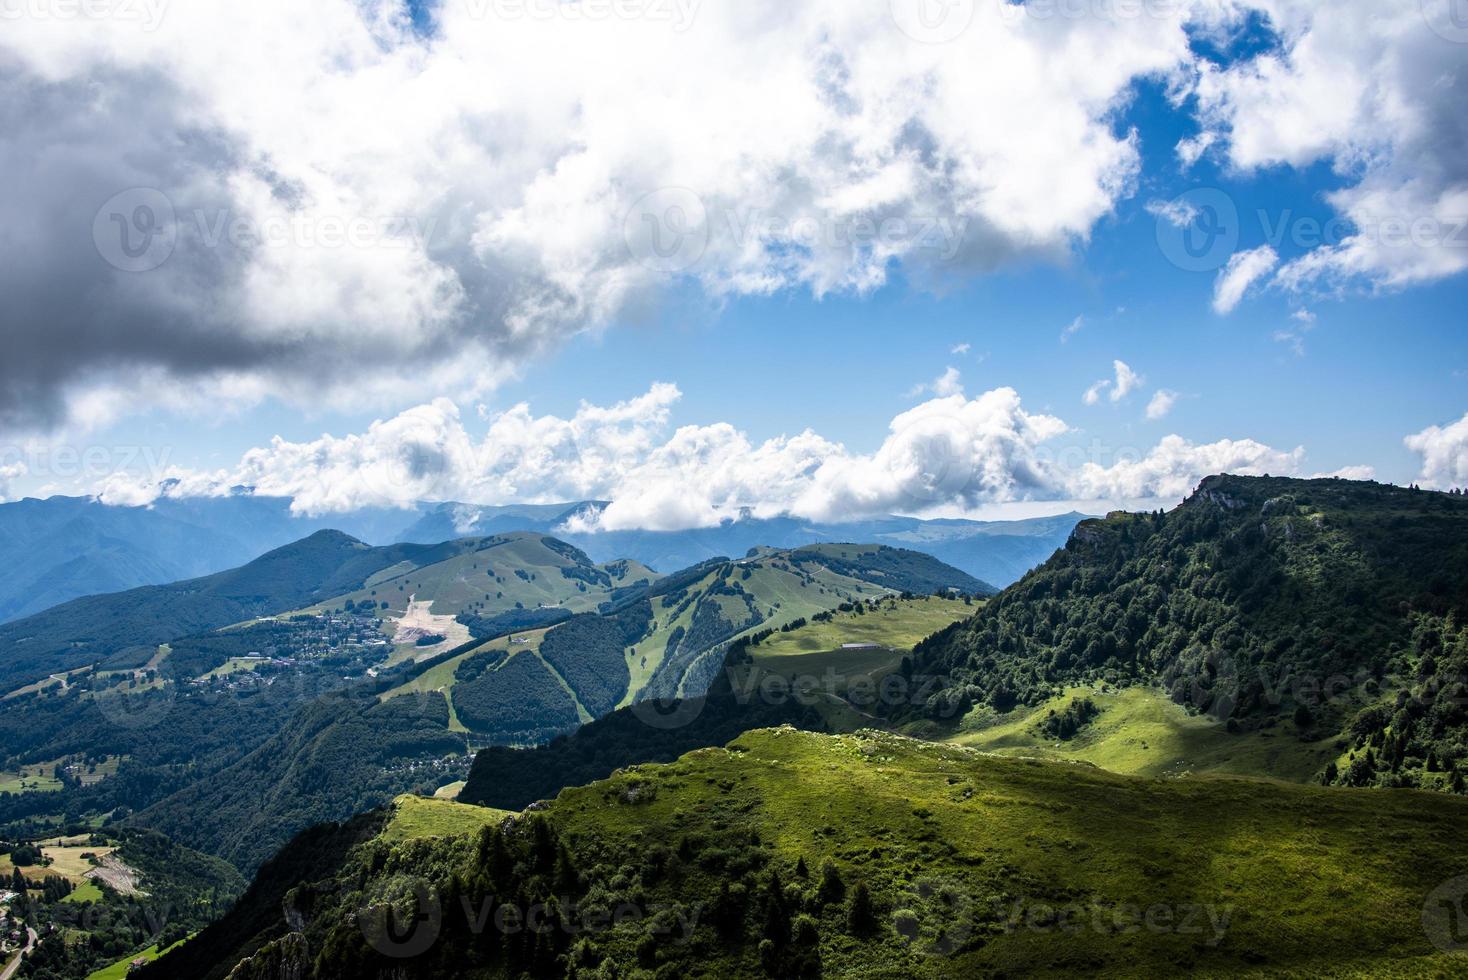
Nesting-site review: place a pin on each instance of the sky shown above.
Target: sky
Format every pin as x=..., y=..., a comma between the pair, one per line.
x=698, y=258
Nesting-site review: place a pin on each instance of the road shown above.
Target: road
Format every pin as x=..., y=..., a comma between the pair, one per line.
x=9, y=971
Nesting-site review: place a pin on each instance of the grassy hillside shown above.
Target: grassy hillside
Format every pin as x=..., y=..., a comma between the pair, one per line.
x=816, y=678
x=1334, y=606
x=667, y=640
x=894, y=624
x=1139, y=730
x=418, y=817
x=695, y=616
x=873, y=855
x=502, y=573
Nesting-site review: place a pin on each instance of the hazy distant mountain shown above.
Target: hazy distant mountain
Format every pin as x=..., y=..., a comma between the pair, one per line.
x=63, y=548
x=997, y=552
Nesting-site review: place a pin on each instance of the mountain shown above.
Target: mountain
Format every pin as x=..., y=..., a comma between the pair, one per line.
x=1320, y=610
x=86, y=631
x=998, y=552
x=63, y=548
x=828, y=663
x=344, y=674
x=793, y=854
x=541, y=673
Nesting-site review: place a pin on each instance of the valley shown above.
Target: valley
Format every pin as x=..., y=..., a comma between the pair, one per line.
x=489, y=686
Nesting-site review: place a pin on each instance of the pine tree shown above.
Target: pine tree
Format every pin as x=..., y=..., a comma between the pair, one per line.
x=861, y=920
x=777, y=916
x=832, y=889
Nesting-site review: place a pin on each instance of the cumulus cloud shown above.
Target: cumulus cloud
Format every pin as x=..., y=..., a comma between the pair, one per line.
x=322, y=202
x=1116, y=388
x=950, y=452
x=1243, y=270
x=1444, y=451
x=235, y=201
x=1161, y=404
x=961, y=349
x=1173, y=467
x=1375, y=91
x=1074, y=327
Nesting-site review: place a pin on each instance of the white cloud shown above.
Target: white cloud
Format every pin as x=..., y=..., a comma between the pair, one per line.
x=1179, y=213
x=1175, y=465
x=1190, y=149
x=1161, y=404
x=1444, y=452
x=1243, y=270
x=961, y=349
x=1116, y=388
x=1370, y=88
x=9, y=473
x=1074, y=327
x=1348, y=473
x=950, y=382
x=503, y=166
x=1294, y=337
x=950, y=452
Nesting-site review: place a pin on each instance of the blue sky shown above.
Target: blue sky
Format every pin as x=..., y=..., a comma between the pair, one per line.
x=1343, y=347
x=1376, y=367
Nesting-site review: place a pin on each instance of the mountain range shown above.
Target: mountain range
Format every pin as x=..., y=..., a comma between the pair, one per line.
x=818, y=760
x=64, y=548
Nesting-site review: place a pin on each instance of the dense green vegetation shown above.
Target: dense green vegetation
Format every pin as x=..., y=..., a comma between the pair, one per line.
x=795, y=854
x=520, y=702
x=897, y=569
x=88, y=924
x=736, y=701
x=590, y=653
x=316, y=854
x=512, y=779
x=664, y=641
x=336, y=756
x=514, y=621
x=1335, y=605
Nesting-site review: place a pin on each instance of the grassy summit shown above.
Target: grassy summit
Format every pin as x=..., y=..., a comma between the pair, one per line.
x=749, y=861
